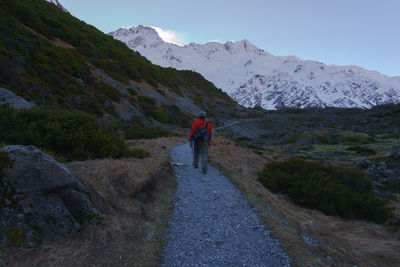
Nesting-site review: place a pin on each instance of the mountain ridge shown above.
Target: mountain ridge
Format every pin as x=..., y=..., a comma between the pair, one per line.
x=250, y=75
x=59, y=5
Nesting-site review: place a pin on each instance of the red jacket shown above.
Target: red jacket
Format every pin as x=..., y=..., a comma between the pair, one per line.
x=197, y=124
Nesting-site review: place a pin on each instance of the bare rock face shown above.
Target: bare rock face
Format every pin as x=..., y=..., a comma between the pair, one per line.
x=39, y=198
x=14, y=101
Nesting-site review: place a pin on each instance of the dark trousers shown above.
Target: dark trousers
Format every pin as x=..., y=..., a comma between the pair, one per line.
x=200, y=150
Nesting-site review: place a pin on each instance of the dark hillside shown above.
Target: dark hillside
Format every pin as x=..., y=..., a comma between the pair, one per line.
x=53, y=59
x=75, y=71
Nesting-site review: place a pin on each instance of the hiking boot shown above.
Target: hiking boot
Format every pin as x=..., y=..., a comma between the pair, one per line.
x=195, y=166
x=205, y=171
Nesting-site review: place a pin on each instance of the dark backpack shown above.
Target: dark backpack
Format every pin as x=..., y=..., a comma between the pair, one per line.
x=201, y=134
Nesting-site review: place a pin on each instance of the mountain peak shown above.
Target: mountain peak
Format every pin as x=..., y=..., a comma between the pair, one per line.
x=253, y=77
x=57, y=3
x=243, y=45
x=134, y=37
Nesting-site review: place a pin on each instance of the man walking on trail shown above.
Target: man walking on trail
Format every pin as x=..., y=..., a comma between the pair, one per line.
x=201, y=134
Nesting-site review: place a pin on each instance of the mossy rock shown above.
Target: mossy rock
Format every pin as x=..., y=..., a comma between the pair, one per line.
x=39, y=198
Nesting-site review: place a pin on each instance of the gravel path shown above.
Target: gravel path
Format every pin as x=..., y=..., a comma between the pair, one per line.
x=212, y=223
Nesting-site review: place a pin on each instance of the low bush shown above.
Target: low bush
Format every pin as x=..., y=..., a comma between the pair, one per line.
x=358, y=139
x=161, y=92
x=334, y=190
x=160, y=116
x=234, y=114
x=146, y=100
x=146, y=133
x=138, y=153
x=176, y=116
x=132, y=91
x=72, y=136
x=147, y=105
x=293, y=138
x=327, y=137
x=362, y=150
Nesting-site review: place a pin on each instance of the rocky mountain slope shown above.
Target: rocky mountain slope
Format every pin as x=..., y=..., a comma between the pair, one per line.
x=254, y=77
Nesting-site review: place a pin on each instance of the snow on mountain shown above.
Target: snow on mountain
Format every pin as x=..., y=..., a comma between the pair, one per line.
x=255, y=78
x=58, y=4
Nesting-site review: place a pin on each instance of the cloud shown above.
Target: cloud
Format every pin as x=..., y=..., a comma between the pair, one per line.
x=170, y=36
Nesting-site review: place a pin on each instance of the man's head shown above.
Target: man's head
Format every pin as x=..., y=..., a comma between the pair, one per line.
x=202, y=114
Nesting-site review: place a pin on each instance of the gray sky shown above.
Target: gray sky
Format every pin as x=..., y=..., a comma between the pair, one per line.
x=341, y=32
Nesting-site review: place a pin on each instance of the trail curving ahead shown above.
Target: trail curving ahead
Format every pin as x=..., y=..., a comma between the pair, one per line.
x=212, y=224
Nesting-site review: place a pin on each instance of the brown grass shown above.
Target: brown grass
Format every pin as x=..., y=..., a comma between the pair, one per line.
x=137, y=197
x=351, y=242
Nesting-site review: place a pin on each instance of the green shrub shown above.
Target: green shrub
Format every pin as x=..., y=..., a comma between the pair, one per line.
x=176, y=116
x=331, y=189
x=73, y=136
x=108, y=92
x=362, y=150
x=161, y=92
x=160, y=116
x=132, y=91
x=146, y=133
x=138, y=153
x=146, y=100
x=326, y=137
x=355, y=139
x=147, y=105
x=294, y=137
x=234, y=114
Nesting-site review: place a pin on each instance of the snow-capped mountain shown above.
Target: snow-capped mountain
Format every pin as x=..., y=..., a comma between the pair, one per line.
x=58, y=4
x=254, y=77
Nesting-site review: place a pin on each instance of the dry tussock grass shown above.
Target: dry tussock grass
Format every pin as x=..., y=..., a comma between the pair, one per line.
x=137, y=197
x=350, y=242
x=159, y=147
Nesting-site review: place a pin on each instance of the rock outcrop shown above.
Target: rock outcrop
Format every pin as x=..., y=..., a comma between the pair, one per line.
x=39, y=198
x=14, y=101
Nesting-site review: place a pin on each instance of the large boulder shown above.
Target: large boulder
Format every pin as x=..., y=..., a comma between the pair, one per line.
x=14, y=101
x=39, y=198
